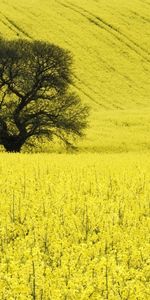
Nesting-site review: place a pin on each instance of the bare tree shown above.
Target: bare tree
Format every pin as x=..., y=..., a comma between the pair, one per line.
x=34, y=94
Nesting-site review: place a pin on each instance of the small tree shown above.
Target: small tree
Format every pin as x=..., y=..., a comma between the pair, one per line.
x=34, y=97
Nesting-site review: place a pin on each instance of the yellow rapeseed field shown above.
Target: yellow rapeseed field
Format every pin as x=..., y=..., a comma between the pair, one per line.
x=74, y=227
x=109, y=41
x=77, y=226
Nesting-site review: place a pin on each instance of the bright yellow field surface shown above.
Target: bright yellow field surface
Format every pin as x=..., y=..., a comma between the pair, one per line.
x=74, y=227
x=77, y=227
x=110, y=43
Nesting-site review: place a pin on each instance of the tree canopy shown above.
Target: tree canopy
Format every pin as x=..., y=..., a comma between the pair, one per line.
x=35, y=99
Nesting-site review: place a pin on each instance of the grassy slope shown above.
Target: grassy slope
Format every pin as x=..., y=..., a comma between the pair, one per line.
x=110, y=41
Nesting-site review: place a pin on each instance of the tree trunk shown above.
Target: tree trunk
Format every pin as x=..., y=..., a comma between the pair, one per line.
x=13, y=144
x=12, y=148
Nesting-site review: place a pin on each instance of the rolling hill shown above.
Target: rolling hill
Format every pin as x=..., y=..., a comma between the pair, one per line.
x=110, y=43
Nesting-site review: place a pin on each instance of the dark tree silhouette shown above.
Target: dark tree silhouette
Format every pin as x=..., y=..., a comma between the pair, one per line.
x=34, y=94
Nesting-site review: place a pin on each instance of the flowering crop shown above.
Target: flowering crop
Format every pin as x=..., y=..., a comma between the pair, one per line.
x=74, y=227
x=109, y=41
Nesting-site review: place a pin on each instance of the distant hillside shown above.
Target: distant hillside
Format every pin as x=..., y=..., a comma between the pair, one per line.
x=110, y=42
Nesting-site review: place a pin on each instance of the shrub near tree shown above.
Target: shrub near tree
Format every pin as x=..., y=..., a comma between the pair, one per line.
x=34, y=95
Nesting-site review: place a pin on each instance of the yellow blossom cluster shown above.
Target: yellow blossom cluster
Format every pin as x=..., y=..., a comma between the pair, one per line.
x=74, y=227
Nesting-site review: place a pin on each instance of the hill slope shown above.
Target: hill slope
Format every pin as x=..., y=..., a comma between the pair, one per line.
x=110, y=42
